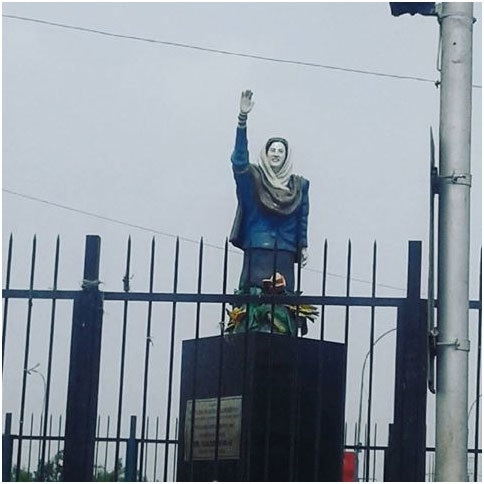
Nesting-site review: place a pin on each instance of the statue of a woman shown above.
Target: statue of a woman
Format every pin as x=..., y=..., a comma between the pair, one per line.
x=272, y=214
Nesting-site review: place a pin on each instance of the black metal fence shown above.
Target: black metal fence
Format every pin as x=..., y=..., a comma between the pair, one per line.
x=135, y=429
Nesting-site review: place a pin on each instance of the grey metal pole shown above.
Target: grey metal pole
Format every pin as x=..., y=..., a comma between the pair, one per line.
x=453, y=258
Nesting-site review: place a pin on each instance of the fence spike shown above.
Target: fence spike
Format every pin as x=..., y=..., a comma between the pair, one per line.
x=200, y=265
x=373, y=275
x=152, y=264
x=56, y=262
x=177, y=260
x=7, y=286
x=127, y=277
x=34, y=251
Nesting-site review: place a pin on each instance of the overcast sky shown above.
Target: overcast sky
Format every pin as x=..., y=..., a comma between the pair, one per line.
x=141, y=133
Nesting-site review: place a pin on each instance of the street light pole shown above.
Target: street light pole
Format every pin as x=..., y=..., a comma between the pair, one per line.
x=358, y=430
x=454, y=225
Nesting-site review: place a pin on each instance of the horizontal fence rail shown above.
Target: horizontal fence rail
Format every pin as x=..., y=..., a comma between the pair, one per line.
x=140, y=366
x=219, y=298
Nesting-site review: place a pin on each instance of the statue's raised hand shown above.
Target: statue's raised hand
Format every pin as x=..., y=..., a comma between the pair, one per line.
x=246, y=103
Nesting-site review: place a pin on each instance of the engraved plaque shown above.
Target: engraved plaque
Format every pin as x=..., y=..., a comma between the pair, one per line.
x=204, y=433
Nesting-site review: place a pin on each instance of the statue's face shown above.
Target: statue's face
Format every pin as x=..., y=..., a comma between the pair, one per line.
x=276, y=154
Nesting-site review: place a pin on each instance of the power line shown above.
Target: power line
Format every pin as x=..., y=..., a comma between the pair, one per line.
x=103, y=217
x=165, y=234
x=222, y=51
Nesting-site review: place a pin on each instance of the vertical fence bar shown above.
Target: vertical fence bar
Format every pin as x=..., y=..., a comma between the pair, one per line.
x=156, y=450
x=355, y=437
x=478, y=376
x=172, y=356
x=26, y=361
x=370, y=372
x=295, y=403
x=7, y=449
x=221, y=360
x=41, y=426
x=50, y=439
x=224, y=283
x=356, y=450
x=31, y=434
x=59, y=435
x=145, y=458
x=147, y=357
x=298, y=292
x=59, y=431
x=98, y=433
x=244, y=471
x=267, y=433
x=323, y=288
x=273, y=300
x=175, y=453
x=131, y=453
x=49, y=359
x=374, y=454
x=365, y=462
x=317, y=446
x=107, y=444
x=195, y=364
x=83, y=383
x=348, y=286
x=5, y=306
x=406, y=453
x=127, y=277
x=347, y=316
x=199, y=289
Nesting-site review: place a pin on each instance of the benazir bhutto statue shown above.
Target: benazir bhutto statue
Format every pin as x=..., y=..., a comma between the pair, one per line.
x=273, y=206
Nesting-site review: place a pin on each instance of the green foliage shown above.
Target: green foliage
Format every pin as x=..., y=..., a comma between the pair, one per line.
x=52, y=472
x=24, y=475
x=102, y=475
x=265, y=318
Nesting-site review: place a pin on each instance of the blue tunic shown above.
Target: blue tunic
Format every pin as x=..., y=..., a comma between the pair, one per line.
x=255, y=225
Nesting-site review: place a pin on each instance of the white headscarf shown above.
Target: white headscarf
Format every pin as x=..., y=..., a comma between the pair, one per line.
x=279, y=180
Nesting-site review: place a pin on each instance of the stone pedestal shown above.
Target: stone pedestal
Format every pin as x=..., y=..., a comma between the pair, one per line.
x=280, y=411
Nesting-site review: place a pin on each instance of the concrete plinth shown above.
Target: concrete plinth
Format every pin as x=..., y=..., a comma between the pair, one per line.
x=281, y=409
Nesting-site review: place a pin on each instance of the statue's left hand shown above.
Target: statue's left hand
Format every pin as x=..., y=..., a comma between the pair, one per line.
x=304, y=256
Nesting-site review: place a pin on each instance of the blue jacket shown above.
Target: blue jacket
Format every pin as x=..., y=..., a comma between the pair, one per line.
x=255, y=226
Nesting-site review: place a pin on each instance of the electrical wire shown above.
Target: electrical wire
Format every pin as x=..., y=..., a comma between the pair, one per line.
x=102, y=217
x=165, y=234
x=223, y=52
